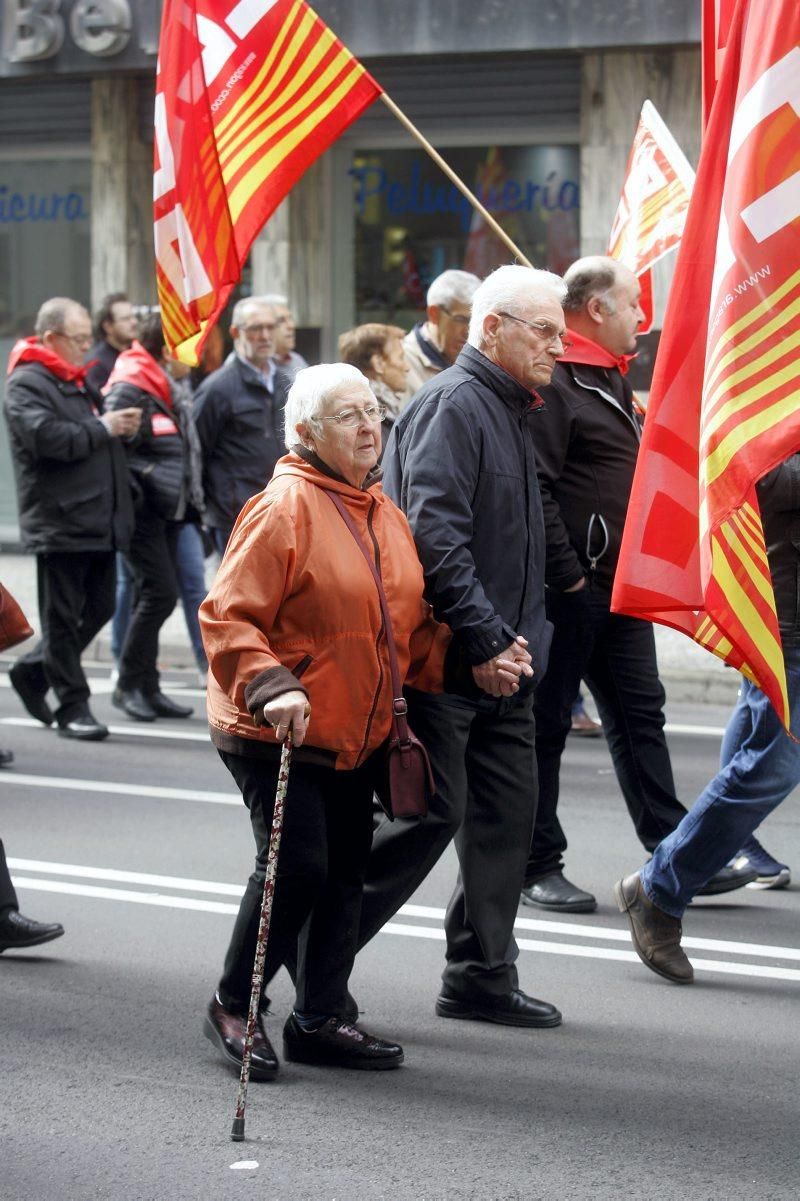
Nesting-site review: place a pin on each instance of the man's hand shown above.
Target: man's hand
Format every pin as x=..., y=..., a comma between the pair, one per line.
x=577, y=587
x=289, y=709
x=122, y=423
x=500, y=676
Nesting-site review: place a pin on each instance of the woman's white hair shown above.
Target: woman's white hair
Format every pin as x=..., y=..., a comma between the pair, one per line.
x=511, y=288
x=311, y=390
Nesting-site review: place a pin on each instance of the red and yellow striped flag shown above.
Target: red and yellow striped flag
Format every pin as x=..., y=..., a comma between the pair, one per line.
x=725, y=402
x=652, y=207
x=249, y=94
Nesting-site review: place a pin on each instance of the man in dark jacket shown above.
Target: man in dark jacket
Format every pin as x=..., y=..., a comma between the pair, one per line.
x=115, y=325
x=460, y=462
x=760, y=766
x=238, y=414
x=587, y=440
x=74, y=505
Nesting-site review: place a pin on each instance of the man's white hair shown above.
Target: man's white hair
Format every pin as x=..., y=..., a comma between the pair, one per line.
x=242, y=307
x=312, y=388
x=452, y=287
x=511, y=289
x=272, y=299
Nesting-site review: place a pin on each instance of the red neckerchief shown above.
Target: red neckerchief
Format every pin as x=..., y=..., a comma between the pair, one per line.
x=31, y=350
x=591, y=354
x=136, y=366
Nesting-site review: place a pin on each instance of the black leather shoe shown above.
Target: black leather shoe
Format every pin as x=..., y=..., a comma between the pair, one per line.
x=133, y=702
x=162, y=706
x=32, y=698
x=84, y=727
x=6, y=757
x=337, y=1044
x=18, y=931
x=515, y=1009
x=227, y=1032
x=727, y=879
x=555, y=892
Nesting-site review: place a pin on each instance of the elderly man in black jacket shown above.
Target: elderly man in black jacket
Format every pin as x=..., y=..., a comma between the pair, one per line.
x=238, y=414
x=74, y=504
x=460, y=462
x=587, y=441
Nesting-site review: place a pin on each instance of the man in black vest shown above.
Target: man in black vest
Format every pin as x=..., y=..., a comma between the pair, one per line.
x=75, y=508
x=587, y=441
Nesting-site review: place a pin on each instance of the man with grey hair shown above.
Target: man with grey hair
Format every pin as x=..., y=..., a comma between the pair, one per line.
x=587, y=441
x=460, y=462
x=284, y=356
x=75, y=508
x=434, y=344
x=238, y=413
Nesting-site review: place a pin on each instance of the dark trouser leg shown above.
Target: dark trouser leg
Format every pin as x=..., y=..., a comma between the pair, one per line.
x=76, y=599
x=302, y=875
x=151, y=559
x=492, y=846
x=8, y=897
x=623, y=677
x=572, y=645
x=404, y=851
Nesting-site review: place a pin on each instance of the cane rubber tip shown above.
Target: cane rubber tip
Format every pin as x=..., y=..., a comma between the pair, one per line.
x=237, y=1130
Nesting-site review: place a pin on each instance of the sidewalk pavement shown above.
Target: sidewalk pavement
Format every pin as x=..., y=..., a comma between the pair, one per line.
x=689, y=673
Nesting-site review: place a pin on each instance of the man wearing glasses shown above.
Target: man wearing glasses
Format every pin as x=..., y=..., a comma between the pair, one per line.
x=587, y=440
x=238, y=413
x=434, y=344
x=75, y=508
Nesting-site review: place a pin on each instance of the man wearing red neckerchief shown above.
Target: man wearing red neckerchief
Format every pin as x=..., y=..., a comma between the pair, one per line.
x=75, y=508
x=587, y=440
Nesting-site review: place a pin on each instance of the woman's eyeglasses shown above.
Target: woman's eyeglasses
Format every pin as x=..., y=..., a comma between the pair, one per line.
x=348, y=419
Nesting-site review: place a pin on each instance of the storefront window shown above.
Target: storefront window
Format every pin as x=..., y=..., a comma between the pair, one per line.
x=412, y=223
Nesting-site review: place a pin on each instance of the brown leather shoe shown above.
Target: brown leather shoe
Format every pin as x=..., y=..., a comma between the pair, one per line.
x=227, y=1032
x=656, y=935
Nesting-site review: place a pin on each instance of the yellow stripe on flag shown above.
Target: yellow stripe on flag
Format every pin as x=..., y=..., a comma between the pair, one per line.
x=736, y=403
x=765, y=419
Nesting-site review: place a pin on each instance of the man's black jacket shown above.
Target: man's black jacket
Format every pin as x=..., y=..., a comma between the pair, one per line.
x=240, y=424
x=461, y=465
x=72, y=478
x=779, y=501
x=587, y=441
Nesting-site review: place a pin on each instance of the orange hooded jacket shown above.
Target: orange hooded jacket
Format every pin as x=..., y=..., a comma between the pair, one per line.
x=294, y=595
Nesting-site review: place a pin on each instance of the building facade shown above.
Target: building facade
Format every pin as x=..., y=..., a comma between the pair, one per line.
x=533, y=102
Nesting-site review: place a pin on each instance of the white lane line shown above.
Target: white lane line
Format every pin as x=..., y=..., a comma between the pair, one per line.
x=113, y=788
x=676, y=727
x=141, y=731
x=437, y=933
x=565, y=929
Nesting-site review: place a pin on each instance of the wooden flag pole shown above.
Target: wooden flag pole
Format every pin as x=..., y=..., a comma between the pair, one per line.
x=451, y=175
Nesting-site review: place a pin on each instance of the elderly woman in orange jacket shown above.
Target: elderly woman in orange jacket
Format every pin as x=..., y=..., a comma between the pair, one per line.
x=295, y=638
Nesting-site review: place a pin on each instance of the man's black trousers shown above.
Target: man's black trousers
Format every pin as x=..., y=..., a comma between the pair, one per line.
x=8, y=897
x=151, y=559
x=616, y=656
x=76, y=598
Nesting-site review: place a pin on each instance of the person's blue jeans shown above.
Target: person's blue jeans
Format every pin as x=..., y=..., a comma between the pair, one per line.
x=190, y=570
x=759, y=767
x=123, y=606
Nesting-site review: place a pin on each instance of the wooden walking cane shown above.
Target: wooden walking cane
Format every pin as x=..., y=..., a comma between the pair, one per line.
x=237, y=1130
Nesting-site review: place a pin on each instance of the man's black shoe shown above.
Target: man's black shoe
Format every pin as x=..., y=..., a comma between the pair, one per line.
x=338, y=1044
x=556, y=893
x=18, y=931
x=84, y=727
x=164, y=707
x=133, y=702
x=727, y=879
x=32, y=697
x=6, y=757
x=227, y=1032
x=515, y=1009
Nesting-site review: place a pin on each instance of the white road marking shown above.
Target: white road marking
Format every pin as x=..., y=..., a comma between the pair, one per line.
x=114, y=788
x=144, y=730
x=564, y=929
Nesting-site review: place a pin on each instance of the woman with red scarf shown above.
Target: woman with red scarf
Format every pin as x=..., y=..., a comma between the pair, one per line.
x=165, y=468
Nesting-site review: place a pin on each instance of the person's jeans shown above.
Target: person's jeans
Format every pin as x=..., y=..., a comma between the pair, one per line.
x=759, y=767
x=190, y=569
x=122, y=608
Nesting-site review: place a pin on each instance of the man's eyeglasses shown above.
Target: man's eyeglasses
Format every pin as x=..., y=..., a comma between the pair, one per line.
x=456, y=318
x=545, y=330
x=78, y=339
x=348, y=419
x=254, y=331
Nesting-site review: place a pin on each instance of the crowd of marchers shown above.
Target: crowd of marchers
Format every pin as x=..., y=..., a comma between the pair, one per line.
x=444, y=505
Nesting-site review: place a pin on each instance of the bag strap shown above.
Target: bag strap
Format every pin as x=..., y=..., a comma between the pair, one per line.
x=399, y=706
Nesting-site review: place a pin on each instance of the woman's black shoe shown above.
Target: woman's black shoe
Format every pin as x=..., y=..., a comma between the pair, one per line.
x=133, y=702
x=164, y=707
x=337, y=1044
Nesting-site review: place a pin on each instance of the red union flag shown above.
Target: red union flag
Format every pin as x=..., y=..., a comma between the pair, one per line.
x=249, y=94
x=655, y=198
x=725, y=401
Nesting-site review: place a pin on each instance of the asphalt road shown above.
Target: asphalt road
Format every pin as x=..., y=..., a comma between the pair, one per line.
x=108, y=1089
